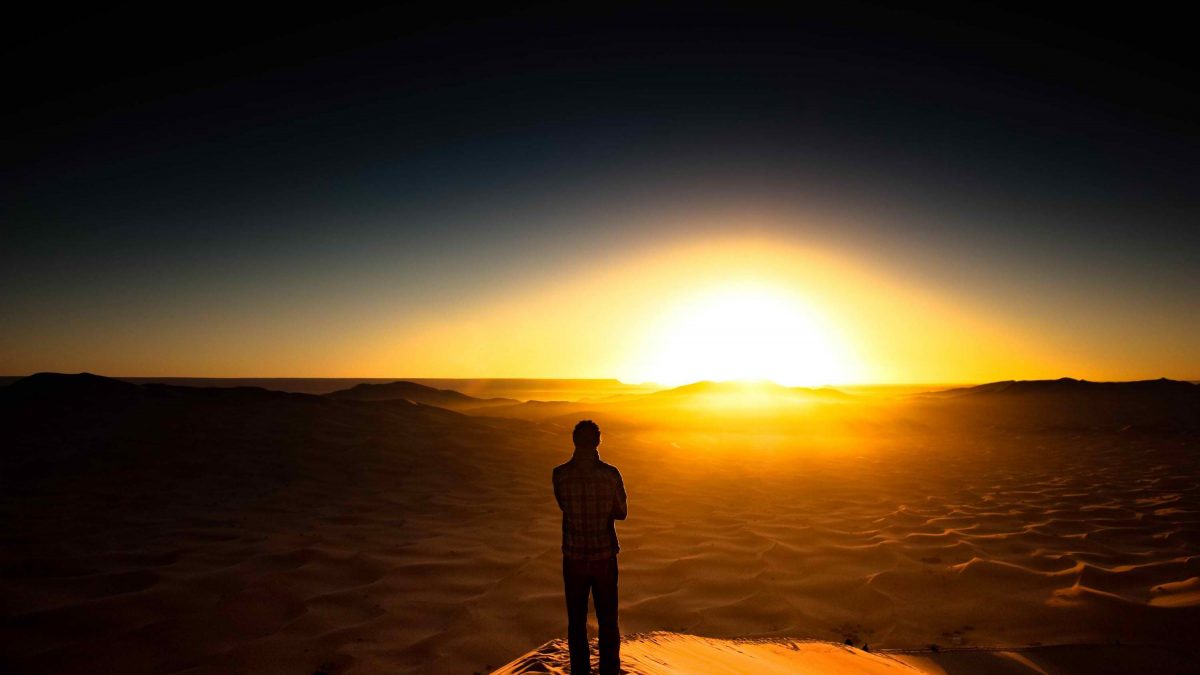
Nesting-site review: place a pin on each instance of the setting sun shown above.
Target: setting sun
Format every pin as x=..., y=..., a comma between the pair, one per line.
x=745, y=331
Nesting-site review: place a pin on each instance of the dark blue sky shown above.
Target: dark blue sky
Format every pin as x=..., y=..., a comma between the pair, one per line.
x=218, y=165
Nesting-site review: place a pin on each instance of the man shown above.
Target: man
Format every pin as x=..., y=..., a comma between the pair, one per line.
x=591, y=496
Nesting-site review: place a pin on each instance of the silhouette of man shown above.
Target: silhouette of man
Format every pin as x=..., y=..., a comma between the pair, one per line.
x=591, y=496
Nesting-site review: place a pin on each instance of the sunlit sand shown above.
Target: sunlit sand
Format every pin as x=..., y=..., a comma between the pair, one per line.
x=663, y=653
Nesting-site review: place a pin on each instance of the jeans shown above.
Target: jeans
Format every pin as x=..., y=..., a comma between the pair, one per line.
x=599, y=577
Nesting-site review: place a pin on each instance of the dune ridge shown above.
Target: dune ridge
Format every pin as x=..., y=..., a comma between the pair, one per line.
x=417, y=393
x=665, y=653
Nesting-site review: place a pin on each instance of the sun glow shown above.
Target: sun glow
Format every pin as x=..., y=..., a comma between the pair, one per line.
x=746, y=331
x=729, y=309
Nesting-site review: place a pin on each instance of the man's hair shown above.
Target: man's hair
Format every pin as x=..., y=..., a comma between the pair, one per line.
x=586, y=432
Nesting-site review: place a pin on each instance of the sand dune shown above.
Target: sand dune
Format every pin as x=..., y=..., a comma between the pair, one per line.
x=669, y=653
x=152, y=529
x=664, y=653
x=417, y=393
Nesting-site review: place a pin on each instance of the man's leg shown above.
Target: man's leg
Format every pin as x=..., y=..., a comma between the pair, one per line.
x=605, y=591
x=575, y=583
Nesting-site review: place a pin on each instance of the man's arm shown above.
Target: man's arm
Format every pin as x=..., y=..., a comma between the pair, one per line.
x=557, y=493
x=620, y=505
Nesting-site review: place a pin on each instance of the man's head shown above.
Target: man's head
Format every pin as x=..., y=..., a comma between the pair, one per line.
x=586, y=435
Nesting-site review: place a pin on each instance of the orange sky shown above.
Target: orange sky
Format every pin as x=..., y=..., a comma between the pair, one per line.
x=673, y=310
x=634, y=321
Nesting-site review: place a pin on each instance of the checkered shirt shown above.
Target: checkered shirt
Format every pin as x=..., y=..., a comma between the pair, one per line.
x=591, y=496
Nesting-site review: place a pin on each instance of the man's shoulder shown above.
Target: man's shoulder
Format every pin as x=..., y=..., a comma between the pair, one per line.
x=600, y=467
x=610, y=469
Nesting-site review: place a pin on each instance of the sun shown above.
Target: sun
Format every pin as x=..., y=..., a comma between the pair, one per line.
x=744, y=331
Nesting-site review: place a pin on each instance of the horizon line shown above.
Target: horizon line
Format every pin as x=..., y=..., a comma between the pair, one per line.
x=960, y=383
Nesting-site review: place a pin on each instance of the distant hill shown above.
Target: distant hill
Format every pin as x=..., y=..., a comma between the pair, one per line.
x=47, y=390
x=1067, y=403
x=1063, y=405
x=417, y=393
x=533, y=410
x=522, y=389
x=1066, y=386
x=715, y=402
x=537, y=389
x=50, y=418
x=43, y=386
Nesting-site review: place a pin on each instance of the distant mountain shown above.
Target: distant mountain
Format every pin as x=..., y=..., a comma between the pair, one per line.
x=1066, y=386
x=716, y=401
x=417, y=393
x=46, y=391
x=57, y=423
x=1067, y=403
x=532, y=410
x=42, y=386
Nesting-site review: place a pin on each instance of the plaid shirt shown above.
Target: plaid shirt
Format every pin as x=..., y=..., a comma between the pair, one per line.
x=591, y=496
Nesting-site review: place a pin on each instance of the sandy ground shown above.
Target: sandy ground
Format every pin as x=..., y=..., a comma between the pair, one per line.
x=663, y=653
x=305, y=536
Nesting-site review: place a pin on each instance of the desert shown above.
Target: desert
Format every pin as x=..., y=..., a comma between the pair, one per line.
x=156, y=528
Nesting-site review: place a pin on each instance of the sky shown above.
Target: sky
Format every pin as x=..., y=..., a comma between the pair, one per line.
x=666, y=192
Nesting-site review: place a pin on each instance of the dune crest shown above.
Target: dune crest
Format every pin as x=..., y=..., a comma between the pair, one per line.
x=666, y=653
x=663, y=653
